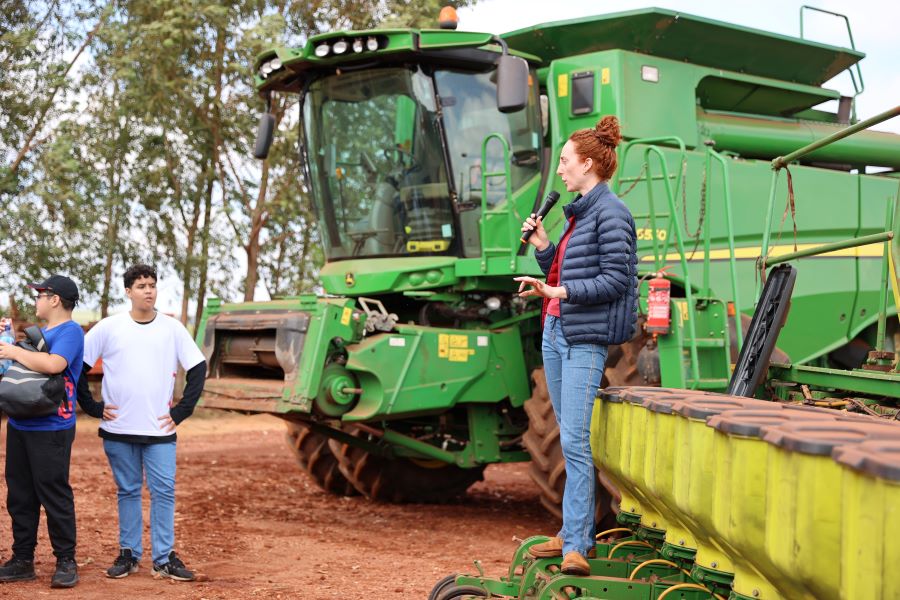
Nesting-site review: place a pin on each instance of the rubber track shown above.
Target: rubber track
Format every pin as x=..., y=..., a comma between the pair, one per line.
x=316, y=459
x=401, y=480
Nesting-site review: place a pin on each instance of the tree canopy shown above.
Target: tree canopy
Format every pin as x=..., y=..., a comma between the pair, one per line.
x=125, y=135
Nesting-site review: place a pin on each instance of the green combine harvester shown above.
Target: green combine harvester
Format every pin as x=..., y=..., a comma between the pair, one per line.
x=423, y=152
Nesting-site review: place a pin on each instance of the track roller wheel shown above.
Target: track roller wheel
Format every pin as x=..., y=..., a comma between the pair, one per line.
x=401, y=479
x=316, y=460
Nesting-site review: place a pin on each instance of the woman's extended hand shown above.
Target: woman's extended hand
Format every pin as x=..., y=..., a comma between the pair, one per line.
x=539, y=238
x=539, y=288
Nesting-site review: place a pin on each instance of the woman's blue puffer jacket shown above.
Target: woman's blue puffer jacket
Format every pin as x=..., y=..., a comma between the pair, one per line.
x=599, y=270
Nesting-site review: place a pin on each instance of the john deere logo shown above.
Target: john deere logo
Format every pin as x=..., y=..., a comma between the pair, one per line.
x=349, y=279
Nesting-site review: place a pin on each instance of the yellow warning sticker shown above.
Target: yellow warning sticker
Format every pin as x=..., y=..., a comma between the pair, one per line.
x=460, y=354
x=683, y=307
x=604, y=75
x=454, y=348
x=562, y=86
x=459, y=341
x=345, y=318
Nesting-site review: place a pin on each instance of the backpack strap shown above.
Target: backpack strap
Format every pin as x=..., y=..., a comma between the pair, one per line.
x=36, y=338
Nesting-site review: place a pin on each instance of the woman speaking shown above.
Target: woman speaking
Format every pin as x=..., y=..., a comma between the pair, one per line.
x=590, y=302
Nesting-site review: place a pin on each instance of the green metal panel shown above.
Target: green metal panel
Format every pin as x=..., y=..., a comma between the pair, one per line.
x=662, y=108
x=364, y=276
x=691, y=39
x=419, y=370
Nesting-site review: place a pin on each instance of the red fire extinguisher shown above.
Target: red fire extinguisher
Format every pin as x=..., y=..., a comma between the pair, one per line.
x=658, y=314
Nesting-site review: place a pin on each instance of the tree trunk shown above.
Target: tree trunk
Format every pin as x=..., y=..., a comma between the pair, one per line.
x=112, y=235
x=304, y=255
x=203, y=269
x=204, y=250
x=252, y=249
x=257, y=222
x=187, y=272
x=14, y=313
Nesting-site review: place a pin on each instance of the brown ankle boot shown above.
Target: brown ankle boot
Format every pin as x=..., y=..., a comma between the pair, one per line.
x=549, y=549
x=575, y=564
x=553, y=548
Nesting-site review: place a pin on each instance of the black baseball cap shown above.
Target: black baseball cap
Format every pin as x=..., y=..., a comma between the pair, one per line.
x=60, y=285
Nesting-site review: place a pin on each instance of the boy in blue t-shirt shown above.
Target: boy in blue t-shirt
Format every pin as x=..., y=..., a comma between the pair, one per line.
x=38, y=450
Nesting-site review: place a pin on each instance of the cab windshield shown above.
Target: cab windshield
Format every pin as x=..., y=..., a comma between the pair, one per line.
x=378, y=165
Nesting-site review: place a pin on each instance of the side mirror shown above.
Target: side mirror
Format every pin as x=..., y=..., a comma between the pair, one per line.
x=264, y=135
x=512, y=83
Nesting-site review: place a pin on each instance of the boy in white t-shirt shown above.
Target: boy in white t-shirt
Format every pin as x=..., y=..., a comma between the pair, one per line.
x=141, y=351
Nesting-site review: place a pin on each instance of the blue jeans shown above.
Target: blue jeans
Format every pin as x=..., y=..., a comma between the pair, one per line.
x=580, y=366
x=129, y=462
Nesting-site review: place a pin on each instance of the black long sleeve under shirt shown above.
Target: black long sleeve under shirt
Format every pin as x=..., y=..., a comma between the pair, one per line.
x=194, y=379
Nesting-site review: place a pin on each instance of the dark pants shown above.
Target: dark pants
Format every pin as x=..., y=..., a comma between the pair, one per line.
x=37, y=473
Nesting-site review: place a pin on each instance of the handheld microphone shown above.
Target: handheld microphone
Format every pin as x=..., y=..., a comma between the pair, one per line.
x=549, y=202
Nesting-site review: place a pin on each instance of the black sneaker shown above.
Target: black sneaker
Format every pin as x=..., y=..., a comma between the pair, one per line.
x=174, y=569
x=66, y=574
x=125, y=565
x=17, y=570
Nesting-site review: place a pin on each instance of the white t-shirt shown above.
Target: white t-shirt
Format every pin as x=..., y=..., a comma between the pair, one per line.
x=140, y=363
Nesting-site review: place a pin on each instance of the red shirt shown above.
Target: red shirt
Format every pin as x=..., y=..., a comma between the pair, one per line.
x=552, y=306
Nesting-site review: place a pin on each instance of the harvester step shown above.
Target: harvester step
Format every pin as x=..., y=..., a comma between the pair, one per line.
x=708, y=342
x=707, y=384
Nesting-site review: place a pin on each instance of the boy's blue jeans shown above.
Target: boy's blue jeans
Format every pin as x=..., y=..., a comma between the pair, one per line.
x=129, y=463
x=573, y=378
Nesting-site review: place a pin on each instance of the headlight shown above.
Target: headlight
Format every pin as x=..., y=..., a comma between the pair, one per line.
x=339, y=47
x=358, y=45
x=372, y=44
x=322, y=50
x=275, y=63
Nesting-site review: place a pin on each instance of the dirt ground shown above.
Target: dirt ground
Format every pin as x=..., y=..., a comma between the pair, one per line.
x=255, y=526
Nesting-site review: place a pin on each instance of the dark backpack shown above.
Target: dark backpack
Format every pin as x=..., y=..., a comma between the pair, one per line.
x=27, y=394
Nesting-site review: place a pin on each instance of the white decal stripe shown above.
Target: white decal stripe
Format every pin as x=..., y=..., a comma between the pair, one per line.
x=23, y=380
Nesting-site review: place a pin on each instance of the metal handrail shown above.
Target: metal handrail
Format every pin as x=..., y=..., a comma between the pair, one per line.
x=658, y=260
x=858, y=89
x=864, y=240
x=729, y=231
x=485, y=210
x=885, y=273
x=679, y=244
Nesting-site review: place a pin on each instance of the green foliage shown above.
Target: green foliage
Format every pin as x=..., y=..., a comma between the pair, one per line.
x=139, y=148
